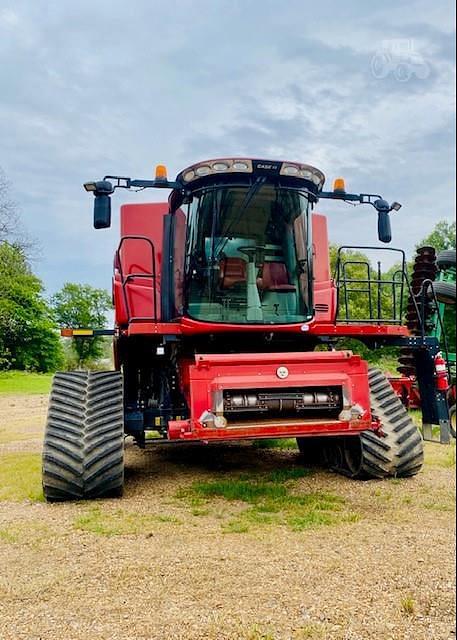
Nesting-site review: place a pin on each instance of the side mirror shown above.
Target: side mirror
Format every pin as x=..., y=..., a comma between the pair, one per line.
x=102, y=211
x=384, y=225
x=102, y=204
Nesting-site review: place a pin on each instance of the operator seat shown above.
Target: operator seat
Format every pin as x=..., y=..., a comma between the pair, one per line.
x=232, y=272
x=274, y=278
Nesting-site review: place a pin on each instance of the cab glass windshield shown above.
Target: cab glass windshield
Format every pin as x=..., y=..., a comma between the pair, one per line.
x=248, y=255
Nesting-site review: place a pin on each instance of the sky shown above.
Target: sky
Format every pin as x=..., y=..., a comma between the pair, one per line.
x=359, y=89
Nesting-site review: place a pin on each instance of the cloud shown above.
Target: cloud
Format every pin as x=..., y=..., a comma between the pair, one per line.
x=95, y=88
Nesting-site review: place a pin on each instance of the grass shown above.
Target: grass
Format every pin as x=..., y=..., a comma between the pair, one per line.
x=408, y=606
x=443, y=507
x=20, y=382
x=199, y=512
x=241, y=490
x=256, y=633
x=313, y=631
x=29, y=532
x=286, y=474
x=235, y=526
x=271, y=500
x=438, y=455
x=20, y=477
x=7, y=534
x=278, y=443
x=119, y=522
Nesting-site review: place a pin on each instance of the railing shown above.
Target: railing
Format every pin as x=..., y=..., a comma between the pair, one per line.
x=384, y=297
x=132, y=276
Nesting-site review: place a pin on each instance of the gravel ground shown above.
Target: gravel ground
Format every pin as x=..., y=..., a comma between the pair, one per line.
x=77, y=571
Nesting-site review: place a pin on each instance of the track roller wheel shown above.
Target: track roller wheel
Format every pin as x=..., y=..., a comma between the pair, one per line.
x=83, y=454
x=398, y=452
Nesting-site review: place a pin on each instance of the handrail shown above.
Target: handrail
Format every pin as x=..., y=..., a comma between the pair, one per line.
x=132, y=276
x=395, y=282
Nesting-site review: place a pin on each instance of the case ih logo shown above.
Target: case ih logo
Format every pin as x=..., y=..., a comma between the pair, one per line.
x=266, y=166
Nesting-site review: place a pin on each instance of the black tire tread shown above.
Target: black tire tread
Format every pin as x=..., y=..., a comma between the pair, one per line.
x=446, y=258
x=398, y=451
x=83, y=453
x=446, y=292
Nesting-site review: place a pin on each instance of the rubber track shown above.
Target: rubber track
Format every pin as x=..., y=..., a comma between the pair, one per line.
x=83, y=454
x=399, y=451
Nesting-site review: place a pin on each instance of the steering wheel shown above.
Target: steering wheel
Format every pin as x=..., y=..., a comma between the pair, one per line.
x=252, y=251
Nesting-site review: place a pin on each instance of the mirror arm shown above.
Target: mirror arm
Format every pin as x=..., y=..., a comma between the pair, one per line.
x=103, y=190
x=339, y=195
x=121, y=182
x=375, y=200
x=382, y=207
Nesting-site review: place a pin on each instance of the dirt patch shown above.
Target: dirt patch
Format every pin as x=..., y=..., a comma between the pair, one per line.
x=164, y=563
x=21, y=420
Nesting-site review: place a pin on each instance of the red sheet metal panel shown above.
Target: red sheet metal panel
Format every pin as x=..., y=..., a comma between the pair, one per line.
x=325, y=297
x=210, y=375
x=188, y=327
x=136, y=257
x=321, y=263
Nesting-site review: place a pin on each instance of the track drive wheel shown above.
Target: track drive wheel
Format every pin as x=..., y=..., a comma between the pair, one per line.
x=398, y=452
x=83, y=454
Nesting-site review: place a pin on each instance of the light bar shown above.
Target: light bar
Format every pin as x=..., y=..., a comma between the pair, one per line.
x=305, y=171
x=221, y=165
x=246, y=165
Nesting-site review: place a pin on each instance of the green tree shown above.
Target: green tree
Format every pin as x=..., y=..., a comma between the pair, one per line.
x=79, y=306
x=442, y=237
x=28, y=336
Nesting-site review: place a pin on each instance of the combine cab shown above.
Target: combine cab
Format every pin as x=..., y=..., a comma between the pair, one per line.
x=226, y=325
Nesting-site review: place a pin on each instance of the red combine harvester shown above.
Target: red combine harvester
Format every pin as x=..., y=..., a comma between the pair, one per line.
x=226, y=325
